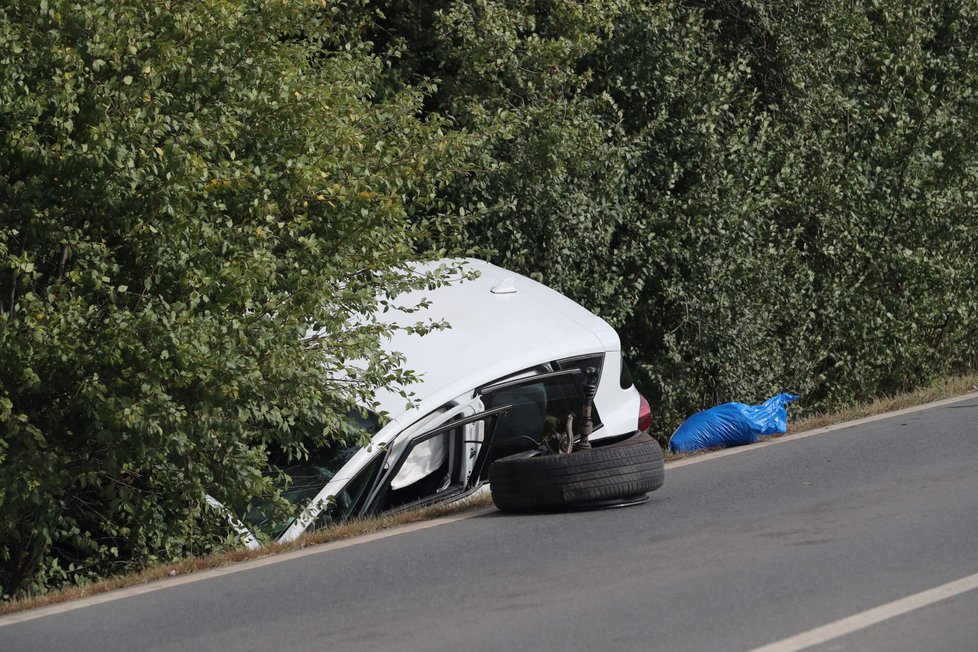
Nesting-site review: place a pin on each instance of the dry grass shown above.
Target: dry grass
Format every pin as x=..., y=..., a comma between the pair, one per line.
x=196, y=564
x=940, y=389
x=944, y=388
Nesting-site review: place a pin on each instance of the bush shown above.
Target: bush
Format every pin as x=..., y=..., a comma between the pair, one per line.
x=760, y=196
x=186, y=189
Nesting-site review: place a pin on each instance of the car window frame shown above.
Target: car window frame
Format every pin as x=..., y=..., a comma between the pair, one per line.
x=496, y=387
x=565, y=368
x=457, y=489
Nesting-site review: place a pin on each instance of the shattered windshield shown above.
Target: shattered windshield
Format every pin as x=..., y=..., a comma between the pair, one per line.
x=302, y=479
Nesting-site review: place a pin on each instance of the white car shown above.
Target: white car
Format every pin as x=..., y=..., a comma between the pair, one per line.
x=511, y=367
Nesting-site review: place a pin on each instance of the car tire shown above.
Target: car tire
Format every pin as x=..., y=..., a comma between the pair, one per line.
x=606, y=475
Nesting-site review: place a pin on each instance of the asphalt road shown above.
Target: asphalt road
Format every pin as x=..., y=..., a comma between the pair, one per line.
x=733, y=553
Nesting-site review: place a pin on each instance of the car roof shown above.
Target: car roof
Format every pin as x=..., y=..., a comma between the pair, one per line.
x=501, y=323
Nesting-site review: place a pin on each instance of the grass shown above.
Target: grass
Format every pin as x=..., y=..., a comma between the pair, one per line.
x=944, y=388
x=940, y=389
x=189, y=565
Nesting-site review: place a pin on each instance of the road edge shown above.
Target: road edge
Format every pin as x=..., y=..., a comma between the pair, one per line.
x=157, y=585
x=130, y=591
x=845, y=425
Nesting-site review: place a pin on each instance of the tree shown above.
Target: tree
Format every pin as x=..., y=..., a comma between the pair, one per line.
x=186, y=189
x=760, y=196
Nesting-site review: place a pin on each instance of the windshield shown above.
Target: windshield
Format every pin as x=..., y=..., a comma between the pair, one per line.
x=302, y=479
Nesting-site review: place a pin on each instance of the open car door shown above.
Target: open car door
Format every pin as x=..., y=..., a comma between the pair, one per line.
x=443, y=462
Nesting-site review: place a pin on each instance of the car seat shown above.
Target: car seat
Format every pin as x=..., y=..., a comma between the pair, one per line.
x=522, y=427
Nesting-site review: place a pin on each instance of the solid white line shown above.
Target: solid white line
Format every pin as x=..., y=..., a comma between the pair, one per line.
x=696, y=459
x=872, y=616
x=119, y=594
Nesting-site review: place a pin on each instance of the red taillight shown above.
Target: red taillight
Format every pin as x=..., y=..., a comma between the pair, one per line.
x=644, y=413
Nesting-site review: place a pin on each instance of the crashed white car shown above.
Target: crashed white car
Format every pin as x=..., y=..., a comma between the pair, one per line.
x=513, y=367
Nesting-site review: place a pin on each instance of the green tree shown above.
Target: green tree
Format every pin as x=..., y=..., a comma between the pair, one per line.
x=186, y=189
x=759, y=195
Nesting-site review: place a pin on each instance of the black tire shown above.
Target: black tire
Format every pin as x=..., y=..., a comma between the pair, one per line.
x=623, y=470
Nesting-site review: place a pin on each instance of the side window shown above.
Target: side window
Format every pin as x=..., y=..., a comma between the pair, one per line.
x=445, y=461
x=427, y=470
x=533, y=415
x=625, y=378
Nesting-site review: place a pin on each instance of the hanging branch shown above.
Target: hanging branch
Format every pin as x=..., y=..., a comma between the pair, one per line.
x=61, y=265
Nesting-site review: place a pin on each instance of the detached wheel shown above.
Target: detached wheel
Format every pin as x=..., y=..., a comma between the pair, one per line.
x=608, y=475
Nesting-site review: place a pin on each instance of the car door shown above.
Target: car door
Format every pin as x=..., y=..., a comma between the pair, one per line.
x=442, y=462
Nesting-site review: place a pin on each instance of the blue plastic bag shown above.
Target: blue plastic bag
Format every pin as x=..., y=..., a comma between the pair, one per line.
x=731, y=424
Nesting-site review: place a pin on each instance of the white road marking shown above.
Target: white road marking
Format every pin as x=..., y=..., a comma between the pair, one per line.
x=119, y=594
x=110, y=596
x=872, y=616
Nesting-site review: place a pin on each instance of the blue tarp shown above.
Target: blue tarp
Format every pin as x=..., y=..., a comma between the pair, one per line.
x=731, y=424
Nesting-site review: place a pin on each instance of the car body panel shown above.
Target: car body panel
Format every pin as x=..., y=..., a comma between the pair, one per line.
x=502, y=326
x=491, y=335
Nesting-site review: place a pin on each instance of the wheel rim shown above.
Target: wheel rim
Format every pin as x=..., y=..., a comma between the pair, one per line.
x=611, y=503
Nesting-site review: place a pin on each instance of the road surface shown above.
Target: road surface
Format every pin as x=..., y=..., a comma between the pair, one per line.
x=862, y=538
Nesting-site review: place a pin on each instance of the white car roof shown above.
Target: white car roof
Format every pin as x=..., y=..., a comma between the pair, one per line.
x=493, y=334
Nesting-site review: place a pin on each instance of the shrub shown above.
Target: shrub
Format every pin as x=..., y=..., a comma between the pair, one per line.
x=187, y=188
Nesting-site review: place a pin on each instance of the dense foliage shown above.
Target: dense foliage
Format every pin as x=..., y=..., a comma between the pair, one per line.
x=185, y=190
x=761, y=196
